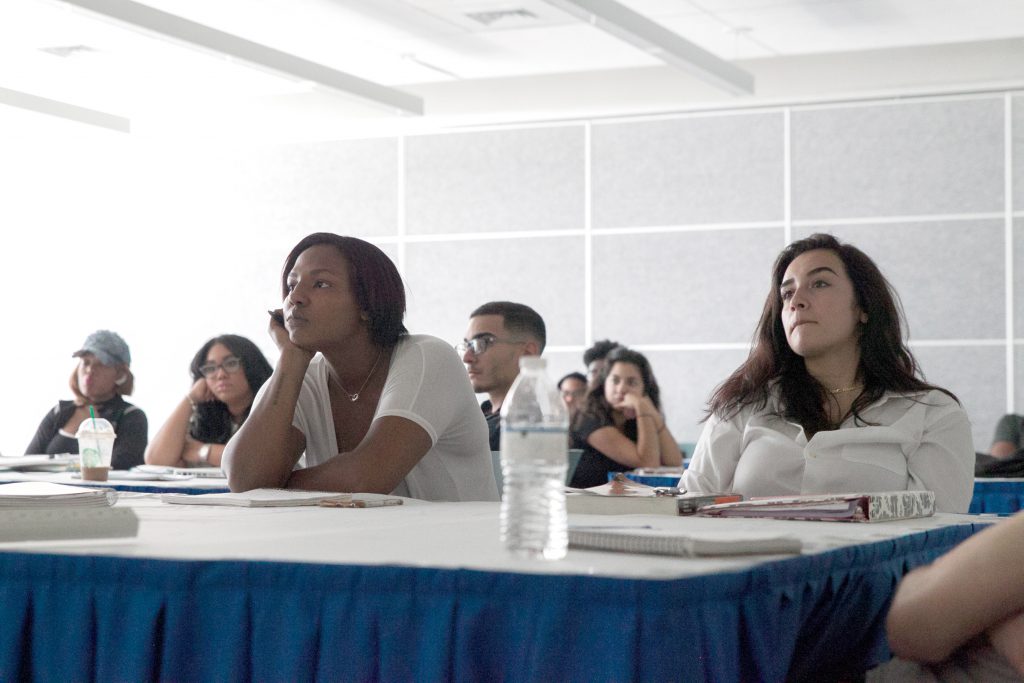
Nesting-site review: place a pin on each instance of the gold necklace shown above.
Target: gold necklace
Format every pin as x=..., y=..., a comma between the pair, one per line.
x=843, y=390
x=355, y=397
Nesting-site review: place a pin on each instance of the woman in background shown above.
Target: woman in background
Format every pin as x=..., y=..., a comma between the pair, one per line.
x=226, y=374
x=829, y=399
x=99, y=381
x=356, y=403
x=621, y=426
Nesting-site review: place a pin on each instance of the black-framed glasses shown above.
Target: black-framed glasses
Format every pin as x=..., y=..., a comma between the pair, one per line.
x=230, y=365
x=479, y=345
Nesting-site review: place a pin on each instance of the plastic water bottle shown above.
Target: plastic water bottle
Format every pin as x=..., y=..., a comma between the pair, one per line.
x=534, y=459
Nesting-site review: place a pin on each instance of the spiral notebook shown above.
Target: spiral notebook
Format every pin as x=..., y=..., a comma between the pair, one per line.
x=657, y=542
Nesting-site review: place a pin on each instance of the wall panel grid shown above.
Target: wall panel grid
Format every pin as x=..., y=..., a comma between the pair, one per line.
x=659, y=232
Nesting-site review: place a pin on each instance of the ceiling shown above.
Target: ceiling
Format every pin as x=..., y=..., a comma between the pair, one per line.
x=482, y=61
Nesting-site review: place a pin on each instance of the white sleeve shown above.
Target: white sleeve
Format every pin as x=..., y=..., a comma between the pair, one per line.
x=713, y=466
x=421, y=385
x=944, y=460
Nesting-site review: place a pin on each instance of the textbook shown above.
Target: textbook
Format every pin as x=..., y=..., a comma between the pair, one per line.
x=834, y=507
x=39, y=463
x=257, y=498
x=44, y=494
x=44, y=511
x=655, y=542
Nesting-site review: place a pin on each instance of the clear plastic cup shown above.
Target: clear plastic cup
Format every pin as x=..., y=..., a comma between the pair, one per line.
x=95, y=448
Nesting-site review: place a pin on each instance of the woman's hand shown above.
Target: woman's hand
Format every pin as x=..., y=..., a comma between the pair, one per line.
x=200, y=392
x=279, y=333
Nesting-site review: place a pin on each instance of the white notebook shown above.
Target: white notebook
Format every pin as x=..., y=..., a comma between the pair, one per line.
x=44, y=494
x=198, y=472
x=655, y=542
x=257, y=498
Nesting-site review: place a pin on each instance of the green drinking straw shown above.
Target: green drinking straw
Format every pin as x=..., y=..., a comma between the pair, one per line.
x=92, y=414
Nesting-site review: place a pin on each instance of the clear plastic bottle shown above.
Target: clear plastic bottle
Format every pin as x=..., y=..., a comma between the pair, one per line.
x=534, y=459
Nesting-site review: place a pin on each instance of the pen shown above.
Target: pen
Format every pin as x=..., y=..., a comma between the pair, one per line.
x=360, y=503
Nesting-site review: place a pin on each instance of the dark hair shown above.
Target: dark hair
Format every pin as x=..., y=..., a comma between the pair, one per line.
x=597, y=405
x=518, y=319
x=599, y=350
x=573, y=375
x=374, y=280
x=886, y=363
x=211, y=421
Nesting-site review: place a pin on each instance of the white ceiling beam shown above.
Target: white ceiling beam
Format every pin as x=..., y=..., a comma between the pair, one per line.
x=183, y=30
x=653, y=38
x=72, y=112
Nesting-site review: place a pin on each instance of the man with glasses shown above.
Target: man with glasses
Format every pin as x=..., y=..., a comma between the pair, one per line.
x=499, y=334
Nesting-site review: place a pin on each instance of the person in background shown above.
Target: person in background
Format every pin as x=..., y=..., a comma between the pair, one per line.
x=1009, y=436
x=573, y=388
x=99, y=381
x=830, y=399
x=499, y=334
x=621, y=427
x=226, y=374
x=372, y=407
x=963, y=615
x=593, y=360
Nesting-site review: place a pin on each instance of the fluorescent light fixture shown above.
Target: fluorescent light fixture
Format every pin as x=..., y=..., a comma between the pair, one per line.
x=185, y=31
x=43, y=105
x=655, y=39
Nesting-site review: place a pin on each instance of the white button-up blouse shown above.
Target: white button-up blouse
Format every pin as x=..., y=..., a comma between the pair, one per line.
x=919, y=441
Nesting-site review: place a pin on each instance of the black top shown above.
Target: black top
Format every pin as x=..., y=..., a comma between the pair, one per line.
x=493, y=425
x=129, y=424
x=594, y=465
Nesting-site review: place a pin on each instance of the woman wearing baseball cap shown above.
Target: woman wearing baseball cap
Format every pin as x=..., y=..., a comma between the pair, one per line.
x=100, y=379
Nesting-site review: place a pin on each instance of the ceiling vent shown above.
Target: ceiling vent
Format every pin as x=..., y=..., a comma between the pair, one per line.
x=502, y=17
x=68, y=50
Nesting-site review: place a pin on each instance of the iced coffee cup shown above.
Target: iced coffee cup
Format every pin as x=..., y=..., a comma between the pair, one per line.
x=95, y=448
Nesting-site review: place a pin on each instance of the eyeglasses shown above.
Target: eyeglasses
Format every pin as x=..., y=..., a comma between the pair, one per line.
x=478, y=345
x=230, y=365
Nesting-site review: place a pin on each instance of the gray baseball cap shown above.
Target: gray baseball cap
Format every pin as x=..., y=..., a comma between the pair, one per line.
x=107, y=346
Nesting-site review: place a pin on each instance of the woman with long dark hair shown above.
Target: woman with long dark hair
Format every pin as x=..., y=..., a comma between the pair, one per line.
x=227, y=371
x=830, y=398
x=621, y=426
x=356, y=403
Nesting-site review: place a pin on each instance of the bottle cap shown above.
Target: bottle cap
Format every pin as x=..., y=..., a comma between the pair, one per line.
x=532, y=363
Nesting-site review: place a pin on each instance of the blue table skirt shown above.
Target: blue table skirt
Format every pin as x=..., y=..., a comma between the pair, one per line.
x=999, y=497
x=89, y=618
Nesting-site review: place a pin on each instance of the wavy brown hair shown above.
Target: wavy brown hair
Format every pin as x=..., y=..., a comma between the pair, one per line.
x=886, y=364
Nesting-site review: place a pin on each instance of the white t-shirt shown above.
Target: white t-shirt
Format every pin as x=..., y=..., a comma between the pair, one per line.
x=916, y=441
x=427, y=384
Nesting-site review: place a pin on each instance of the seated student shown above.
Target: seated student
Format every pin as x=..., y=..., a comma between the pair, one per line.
x=100, y=379
x=1009, y=436
x=226, y=374
x=373, y=408
x=963, y=615
x=594, y=361
x=573, y=388
x=620, y=427
x=829, y=399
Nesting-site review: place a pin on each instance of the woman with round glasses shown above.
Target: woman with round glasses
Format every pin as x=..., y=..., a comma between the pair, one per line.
x=620, y=427
x=99, y=384
x=830, y=399
x=226, y=374
x=356, y=403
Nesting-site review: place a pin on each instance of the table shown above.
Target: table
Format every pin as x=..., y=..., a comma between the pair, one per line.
x=196, y=485
x=424, y=592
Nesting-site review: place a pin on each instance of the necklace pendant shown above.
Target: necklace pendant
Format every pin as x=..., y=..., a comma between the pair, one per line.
x=354, y=397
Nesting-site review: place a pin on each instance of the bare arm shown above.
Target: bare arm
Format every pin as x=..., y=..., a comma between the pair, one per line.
x=1003, y=449
x=974, y=588
x=263, y=452
x=646, y=452
x=169, y=445
x=391, y=448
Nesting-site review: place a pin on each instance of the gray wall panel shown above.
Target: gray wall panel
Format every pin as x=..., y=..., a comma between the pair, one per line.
x=949, y=275
x=530, y=179
x=898, y=159
x=447, y=280
x=1018, y=152
x=689, y=170
x=682, y=287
